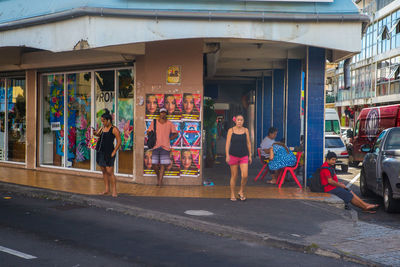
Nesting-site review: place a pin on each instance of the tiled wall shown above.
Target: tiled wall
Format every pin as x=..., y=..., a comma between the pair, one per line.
x=293, y=103
x=279, y=102
x=267, y=104
x=315, y=109
x=259, y=112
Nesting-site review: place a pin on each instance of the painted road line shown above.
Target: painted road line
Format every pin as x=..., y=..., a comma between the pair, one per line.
x=353, y=181
x=17, y=253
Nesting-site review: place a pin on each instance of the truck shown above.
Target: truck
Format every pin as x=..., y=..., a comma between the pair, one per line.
x=380, y=172
x=332, y=122
x=369, y=124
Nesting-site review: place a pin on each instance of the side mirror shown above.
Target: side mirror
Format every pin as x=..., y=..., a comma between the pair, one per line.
x=349, y=133
x=365, y=148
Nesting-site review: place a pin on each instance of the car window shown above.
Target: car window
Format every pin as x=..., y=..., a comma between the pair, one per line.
x=332, y=142
x=357, y=127
x=378, y=142
x=393, y=139
x=332, y=126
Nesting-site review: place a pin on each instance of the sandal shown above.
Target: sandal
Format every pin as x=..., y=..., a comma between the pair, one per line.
x=241, y=197
x=233, y=199
x=369, y=211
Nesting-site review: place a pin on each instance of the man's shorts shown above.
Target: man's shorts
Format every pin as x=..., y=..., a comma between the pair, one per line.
x=236, y=160
x=342, y=193
x=160, y=156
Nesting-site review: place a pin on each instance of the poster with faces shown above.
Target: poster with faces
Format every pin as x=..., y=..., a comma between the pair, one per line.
x=191, y=105
x=153, y=104
x=183, y=110
x=190, y=162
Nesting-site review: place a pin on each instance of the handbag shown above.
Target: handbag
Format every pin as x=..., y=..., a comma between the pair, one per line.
x=152, y=137
x=92, y=144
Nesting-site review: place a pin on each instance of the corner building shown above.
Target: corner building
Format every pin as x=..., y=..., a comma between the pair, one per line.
x=62, y=64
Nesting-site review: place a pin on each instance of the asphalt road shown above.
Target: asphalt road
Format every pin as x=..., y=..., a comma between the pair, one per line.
x=61, y=234
x=381, y=217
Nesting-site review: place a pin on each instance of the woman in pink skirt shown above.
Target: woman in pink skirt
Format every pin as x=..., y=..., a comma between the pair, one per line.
x=238, y=154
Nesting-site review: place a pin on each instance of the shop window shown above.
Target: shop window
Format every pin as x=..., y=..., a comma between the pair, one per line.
x=83, y=97
x=12, y=119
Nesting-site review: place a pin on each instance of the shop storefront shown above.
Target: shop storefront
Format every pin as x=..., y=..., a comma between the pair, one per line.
x=72, y=103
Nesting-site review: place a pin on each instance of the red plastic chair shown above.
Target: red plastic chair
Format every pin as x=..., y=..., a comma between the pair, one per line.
x=282, y=176
x=265, y=166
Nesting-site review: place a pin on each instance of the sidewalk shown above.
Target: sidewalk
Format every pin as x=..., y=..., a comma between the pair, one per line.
x=285, y=218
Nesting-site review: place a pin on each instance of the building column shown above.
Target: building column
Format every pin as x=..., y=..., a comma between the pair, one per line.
x=293, y=120
x=278, y=105
x=314, y=109
x=31, y=119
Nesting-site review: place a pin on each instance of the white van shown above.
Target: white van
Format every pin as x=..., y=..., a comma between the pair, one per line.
x=332, y=122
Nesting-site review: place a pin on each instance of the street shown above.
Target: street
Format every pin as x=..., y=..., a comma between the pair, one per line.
x=61, y=234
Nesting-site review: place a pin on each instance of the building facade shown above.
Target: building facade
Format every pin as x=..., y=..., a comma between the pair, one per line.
x=61, y=67
x=374, y=77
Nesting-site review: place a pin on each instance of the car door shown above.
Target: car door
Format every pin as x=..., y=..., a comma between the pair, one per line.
x=372, y=174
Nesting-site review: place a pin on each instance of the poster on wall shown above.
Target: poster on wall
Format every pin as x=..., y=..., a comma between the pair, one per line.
x=191, y=106
x=174, y=75
x=147, y=164
x=177, y=142
x=190, y=162
x=153, y=104
x=173, y=104
x=57, y=109
x=173, y=169
x=191, y=134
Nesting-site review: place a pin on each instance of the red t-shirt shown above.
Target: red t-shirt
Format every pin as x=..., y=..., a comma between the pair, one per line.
x=325, y=174
x=162, y=132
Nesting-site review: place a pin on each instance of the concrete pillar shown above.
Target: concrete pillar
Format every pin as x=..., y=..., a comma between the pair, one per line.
x=293, y=120
x=278, y=105
x=314, y=94
x=31, y=119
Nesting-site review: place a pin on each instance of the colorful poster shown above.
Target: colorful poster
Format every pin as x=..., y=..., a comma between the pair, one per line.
x=147, y=125
x=147, y=164
x=176, y=143
x=191, y=136
x=57, y=109
x=174, y=75
x=153, y=104
x=191, y=106
x=173, y=104
x=190, y=162
x=125, y=124
x=173, y=169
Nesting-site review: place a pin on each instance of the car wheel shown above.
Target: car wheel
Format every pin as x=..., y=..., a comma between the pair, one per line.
x=363, y=185
x=345, y=168
x=390, y=204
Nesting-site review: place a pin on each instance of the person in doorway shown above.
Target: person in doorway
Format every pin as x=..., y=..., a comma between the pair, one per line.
x=279, y=157
x=105, y=151
x=331, y=185
x=165, y=131
x=267, y=142
x=238, y=154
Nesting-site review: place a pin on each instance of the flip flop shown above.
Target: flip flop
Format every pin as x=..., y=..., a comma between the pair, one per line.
x=369, y=211
x=241, y=198
x=233, y=199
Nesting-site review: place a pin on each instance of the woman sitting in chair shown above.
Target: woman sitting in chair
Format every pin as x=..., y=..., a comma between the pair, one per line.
x=279, y=157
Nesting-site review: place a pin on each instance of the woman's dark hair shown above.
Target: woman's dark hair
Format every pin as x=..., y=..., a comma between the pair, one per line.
x=107, y=115
x=239, y=114
x=272, y=130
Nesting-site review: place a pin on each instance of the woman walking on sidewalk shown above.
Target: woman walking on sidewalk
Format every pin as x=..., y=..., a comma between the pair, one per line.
x=238, y=153
x=105, y=152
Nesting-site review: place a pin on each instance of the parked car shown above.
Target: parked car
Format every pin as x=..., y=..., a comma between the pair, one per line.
x=335, y=144
x=345, y=135
x=370, y=123
x=380, y=172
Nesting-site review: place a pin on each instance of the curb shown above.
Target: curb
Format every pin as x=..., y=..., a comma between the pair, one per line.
x=185, y=222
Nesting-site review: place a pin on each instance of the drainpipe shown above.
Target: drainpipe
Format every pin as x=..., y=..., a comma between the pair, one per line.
x=346, y=74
